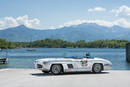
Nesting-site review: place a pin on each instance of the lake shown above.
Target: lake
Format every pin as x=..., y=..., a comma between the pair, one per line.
x=21, y=58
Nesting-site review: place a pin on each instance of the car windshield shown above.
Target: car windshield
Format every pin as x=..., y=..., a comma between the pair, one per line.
x=79, y=57
x=86, y=55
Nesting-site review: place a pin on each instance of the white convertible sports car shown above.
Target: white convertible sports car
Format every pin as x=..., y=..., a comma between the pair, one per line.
x=61, y=65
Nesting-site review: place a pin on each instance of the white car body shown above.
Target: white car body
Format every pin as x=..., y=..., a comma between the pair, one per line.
x=71, y=64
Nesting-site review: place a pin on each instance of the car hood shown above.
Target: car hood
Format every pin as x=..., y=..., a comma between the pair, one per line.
x=104, y=60
x=57, y=59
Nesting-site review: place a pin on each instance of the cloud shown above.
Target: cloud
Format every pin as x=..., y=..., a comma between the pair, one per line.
x=122, y=22
x=7, y=22
x=122, y=11
x=96, y=9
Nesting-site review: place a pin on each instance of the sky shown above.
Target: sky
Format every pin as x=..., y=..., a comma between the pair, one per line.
x=51, y=14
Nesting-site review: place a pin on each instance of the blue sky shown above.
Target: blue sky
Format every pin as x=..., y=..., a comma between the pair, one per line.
x=46, y=14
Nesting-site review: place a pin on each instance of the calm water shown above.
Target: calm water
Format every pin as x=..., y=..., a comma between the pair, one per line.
x=20, y=58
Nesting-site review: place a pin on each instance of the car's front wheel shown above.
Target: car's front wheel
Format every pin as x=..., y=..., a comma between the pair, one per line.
x=56, y=69
x=97, y=68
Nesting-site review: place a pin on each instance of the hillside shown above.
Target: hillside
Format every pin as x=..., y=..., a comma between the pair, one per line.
x=88, y=32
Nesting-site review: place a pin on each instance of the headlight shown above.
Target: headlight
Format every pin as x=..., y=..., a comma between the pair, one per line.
x=108, y=64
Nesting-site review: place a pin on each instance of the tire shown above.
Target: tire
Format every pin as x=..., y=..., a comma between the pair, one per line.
x=56, y=69
x=97, y=68
x=45, y=71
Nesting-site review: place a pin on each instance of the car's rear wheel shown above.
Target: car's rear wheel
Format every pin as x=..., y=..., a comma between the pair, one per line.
x=56, y=69
x=97, y=68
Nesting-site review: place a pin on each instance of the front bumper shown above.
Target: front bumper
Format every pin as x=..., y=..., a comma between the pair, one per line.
x=107, y=66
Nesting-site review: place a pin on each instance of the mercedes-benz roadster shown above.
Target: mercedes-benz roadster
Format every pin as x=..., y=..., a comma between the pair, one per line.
x=61, y=65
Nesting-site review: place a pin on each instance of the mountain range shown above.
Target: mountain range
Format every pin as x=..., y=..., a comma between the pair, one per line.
x=86, y=31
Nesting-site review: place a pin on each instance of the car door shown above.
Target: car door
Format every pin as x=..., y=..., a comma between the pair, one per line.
x=85, y=65
x=81, y=65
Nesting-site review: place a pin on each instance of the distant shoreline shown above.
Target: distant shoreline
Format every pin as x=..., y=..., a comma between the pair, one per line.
x=65, y=48
x=59, y=43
